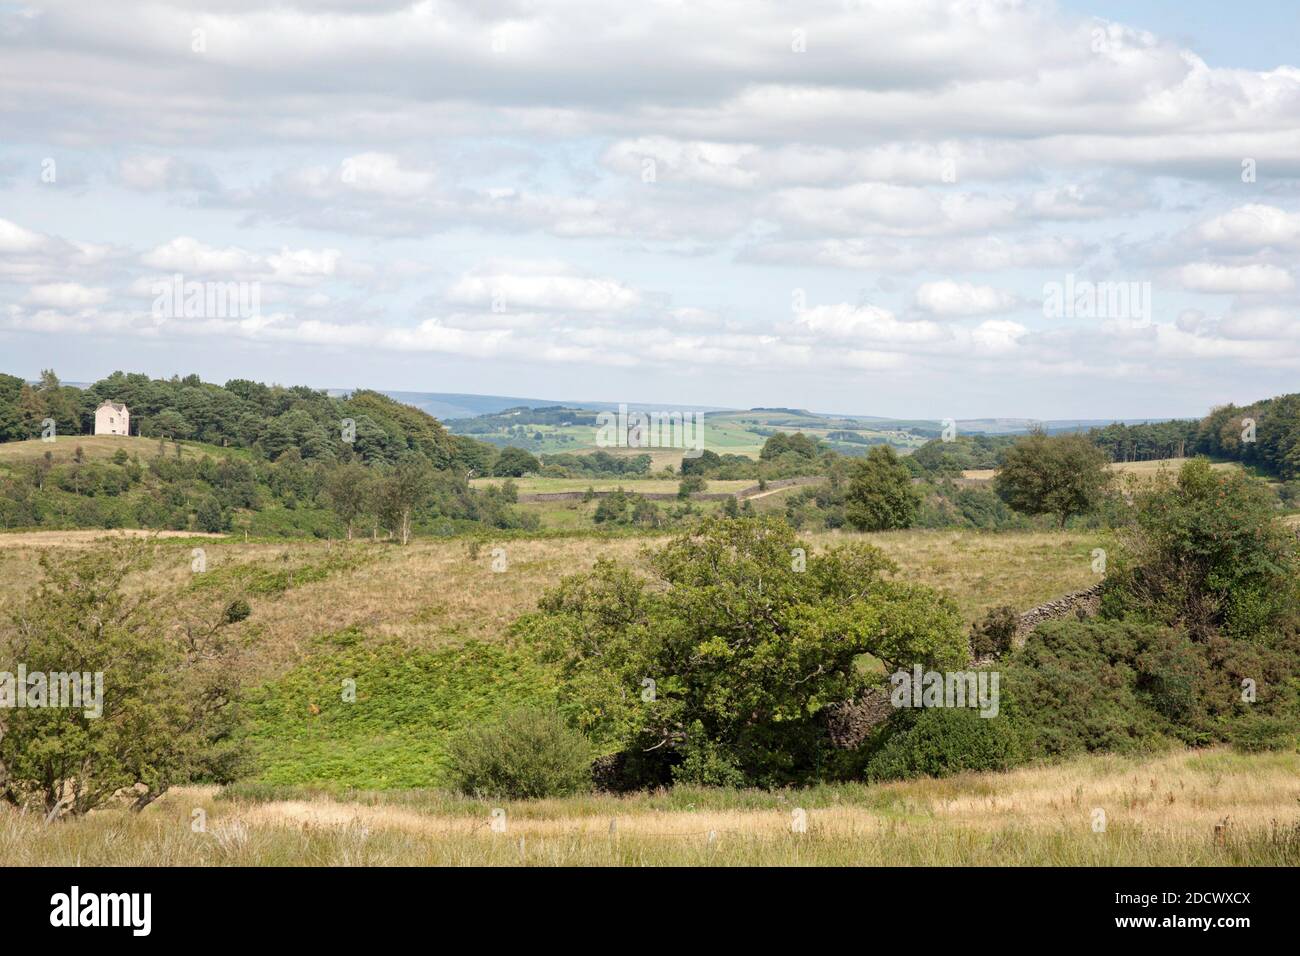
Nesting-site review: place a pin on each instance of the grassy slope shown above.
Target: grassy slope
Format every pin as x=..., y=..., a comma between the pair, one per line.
x=105, y=446
x=402, y=622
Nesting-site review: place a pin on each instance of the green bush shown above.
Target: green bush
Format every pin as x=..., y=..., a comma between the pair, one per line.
x=940, y=741
x=1206, y=553
x=1074, y=687
x=1258, y=733
x=993, y=636
x=529, y=753
x=1172, y=671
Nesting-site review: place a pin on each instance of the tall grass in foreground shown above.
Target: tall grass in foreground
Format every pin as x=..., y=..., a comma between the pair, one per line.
x=1160, y=811
x=113, y=839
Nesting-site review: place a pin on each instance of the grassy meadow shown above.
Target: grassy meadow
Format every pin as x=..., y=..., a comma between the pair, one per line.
x=424, y=630
x=1159, y=810
x=423, y=633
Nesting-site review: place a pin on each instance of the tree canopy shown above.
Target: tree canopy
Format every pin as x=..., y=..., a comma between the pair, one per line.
x=715, y=669
x=1060, y=475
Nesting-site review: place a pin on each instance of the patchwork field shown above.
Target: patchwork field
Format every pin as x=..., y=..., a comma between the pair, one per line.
x=1094, y=811
x=734, y=433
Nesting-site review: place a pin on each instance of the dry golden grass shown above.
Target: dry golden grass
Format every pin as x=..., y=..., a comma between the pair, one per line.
x=1158, y=811
x=81, y=539
x=984, y=569
x=99, y=446
x=1165, y=464
x=1141, y=468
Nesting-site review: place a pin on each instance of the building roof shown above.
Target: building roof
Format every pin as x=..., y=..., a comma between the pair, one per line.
x=116, y=406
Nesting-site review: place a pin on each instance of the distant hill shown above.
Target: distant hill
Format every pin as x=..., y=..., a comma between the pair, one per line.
x=444, y=405
x=459, y=405
x=450, y=405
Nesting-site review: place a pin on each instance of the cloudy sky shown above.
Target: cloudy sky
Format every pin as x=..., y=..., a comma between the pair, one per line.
x=854, y=206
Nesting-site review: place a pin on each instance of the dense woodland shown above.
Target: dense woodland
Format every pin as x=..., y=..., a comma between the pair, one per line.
x=275, y=456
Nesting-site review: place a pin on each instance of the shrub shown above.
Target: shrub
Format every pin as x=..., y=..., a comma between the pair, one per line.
x=236, y=611
x=1205, y=553
x=1260, y=733
x=691, y=484
x=515, y=463
x=529, y=753
x=209, y=516
x=993, y=636
x=941, y=741
x=1172, y=670
x=1073, y=688
x=165, y=715
x=611, y=508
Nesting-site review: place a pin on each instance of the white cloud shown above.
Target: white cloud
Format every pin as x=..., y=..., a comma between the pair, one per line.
x=984, y=254
x=1214, y=277
x=890, y=210
x=946, y=297
x=148, y=172
x=14, y=238
x=1252, y=226
x=188, y=255
x=383, y=174
x=192, y=258
x=848, y=323
x=1265, y=323
x=473, y=153
x=997, y=337
x=508, y=292
x=65, y=295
